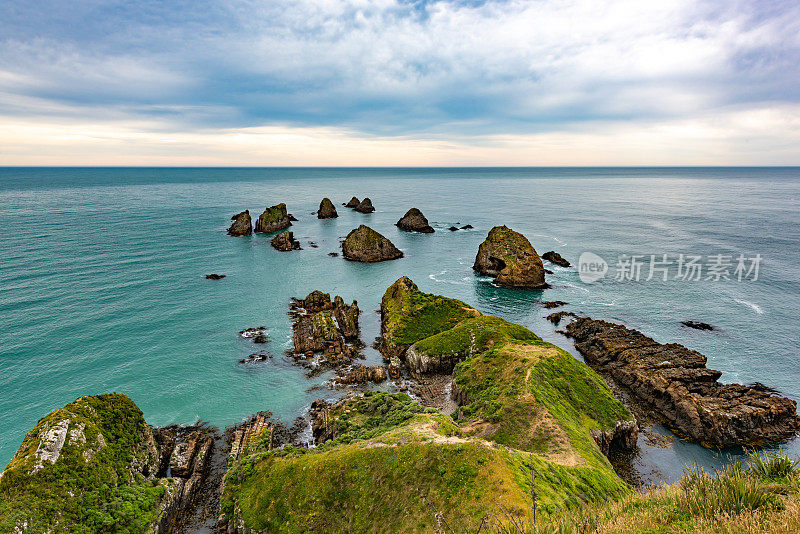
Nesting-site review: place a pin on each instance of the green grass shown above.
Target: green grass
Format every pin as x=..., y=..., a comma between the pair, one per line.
x=473, y=335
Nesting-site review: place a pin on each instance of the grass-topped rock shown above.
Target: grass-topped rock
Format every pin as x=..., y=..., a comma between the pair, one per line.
x=273, y=219
x=511, y=259
x=367, y=245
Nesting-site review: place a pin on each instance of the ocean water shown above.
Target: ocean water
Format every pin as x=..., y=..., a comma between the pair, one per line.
x=102, y=283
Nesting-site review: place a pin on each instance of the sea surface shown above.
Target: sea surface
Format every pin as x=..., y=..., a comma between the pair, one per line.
x=102, y=276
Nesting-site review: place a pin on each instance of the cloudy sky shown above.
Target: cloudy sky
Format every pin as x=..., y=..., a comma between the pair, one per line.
x=399, y=82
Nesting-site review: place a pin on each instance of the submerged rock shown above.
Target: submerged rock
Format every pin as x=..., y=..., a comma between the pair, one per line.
x=676, y=383
x=414, y=221
x=697, y=325
x=326, y=209
x=556, y=317
x=511, y=259
x=273, y=219
x=285, y=242
x=367, y=245
x=365, y=206
x=215, y=276
x=556, y=259
x=353, y=203
x=242, y=225
x=554, y=304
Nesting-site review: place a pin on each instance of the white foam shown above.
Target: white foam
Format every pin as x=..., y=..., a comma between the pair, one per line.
x=755, y=307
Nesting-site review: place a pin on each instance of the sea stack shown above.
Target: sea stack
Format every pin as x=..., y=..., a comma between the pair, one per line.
x=365, y=244
x=273, y=219
x=511, y=259
x=556, y=259
x=365, y=206
x=242, y=225
x=285, y=242
x=354, y=202
x=326, y=209
x=414, y=221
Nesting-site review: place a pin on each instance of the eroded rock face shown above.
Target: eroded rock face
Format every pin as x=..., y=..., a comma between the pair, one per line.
x=361, y=374
x=367, y=245
x=675, y=382
x=622, y=438
x=556, y=259
x=242, y=225
x=365, y=206
x=326, y=326
x=353, y=203
x=273, y=219
x=511, y=259
x=414, y=221
x=326, y=209
x=285, y=242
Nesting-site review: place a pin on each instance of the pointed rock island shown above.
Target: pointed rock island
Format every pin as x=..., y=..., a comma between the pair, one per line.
x=414, y=221
x=273, y=219
x=365, y=206
x=511, y=259
x=285, y=242
x=367, y=245
x=242, y=225
x=326, y=209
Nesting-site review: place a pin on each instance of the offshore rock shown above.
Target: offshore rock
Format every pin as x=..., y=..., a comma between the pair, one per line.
x=697, y=325
x=326, y=209
x=273, y=219
x=242, y=225
x=414, y=221
x=554, y=304
x=511, y=259
x=675, y=382
x=285, y=242
x=367, y=245
x=556, y=259
x=325, y=326
x=365, y=206
x=353, y=203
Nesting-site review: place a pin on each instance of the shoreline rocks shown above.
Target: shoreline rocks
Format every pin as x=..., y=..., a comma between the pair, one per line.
x=273, y=219
x=554, y=304
x=511, y=259
x=366, y=245
x=556, y=259
x=242, y=224
x=285, y=242
x=365, y=206
x=414, y=221
x=326, y=209
x=676, y=383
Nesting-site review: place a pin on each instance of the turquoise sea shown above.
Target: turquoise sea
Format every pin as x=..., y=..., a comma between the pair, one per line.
x=102, y=283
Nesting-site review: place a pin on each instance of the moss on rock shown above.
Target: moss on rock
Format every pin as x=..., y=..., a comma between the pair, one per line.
x=511, y=259
x=273, y=219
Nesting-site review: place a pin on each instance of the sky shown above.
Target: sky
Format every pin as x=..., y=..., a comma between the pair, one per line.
x=399, y=82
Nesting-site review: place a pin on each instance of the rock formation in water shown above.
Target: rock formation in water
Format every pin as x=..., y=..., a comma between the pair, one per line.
x=242, y=225
x=362, y=374
x=215, y=276
x=326, y=209
x=273, y=219
x=553, y=304
x=414, y=221
x=326, y=326
x=676, y=383
x=556, y=259
x=511, y=259
x=353, y=203
x=365, y=206
x=697, y=325
x=367, y=245
x=285, y=242
x=556, y=317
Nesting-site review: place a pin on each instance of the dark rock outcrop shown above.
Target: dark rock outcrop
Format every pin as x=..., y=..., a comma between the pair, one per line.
x=215, y=276
x=414, y=221
x=556, y=259
x=326, y=209
x=556, y=317
x=354, y=202
x=511, y=259
x=285, y=242
x=365, y=206
x=623, y=437
x=273, y=219
x=326, y=326
x=242, y=224
x=453, y=228
x=697, y=325
x=675, y=382
x=467, y=227
x=554, y=304
x=367, y=245
x=361, y=374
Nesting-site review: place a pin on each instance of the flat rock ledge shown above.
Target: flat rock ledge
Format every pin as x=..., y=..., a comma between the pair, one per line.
x=414, y=221
x=326, y=326
x=511, y=259
x=242, y=224
x=676, y=383
x=273, y=219
x=353, y=203
x=367, y=245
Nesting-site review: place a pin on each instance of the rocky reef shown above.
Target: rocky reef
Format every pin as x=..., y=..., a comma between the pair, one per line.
x=511, y=259
x=285, y=242
x=367, y=245
x=329, y=327
x=326, y=209
x=556, y=259
x=414, y=221
x=242, y=225
x=273, y=219
x=365, y=206
x=675, y=382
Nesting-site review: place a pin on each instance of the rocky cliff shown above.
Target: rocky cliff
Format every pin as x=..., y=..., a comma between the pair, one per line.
x=414, y=221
